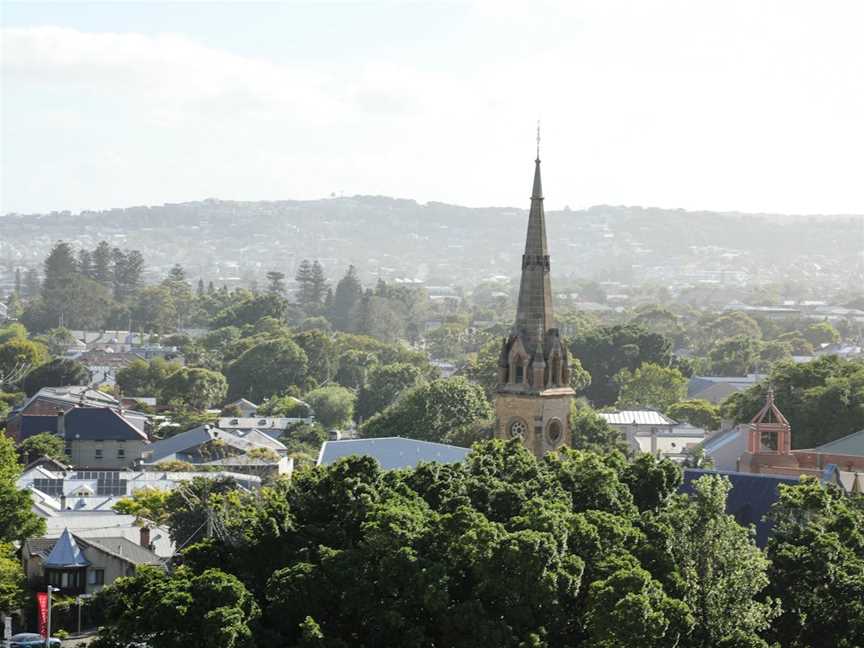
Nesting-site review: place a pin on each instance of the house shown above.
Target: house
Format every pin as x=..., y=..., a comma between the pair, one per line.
x=100, y=438
x=725, y=447
x=392, y=452
x=77, y=565
x=716, y=389
x=653, y=432
x=246, y=408
x=253, y=452
x=274, y=426
x=103, y=365
x=48, y=401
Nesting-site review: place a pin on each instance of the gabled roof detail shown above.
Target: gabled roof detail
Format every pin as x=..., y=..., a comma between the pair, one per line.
x=770, y=414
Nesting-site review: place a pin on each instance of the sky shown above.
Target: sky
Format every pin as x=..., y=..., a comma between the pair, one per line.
x=694, y=104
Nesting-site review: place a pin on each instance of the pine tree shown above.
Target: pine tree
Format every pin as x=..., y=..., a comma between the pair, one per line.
x=60, y=268
x=211, y=289
x=85, y=263
x=31, y=283
x=348, y=294
x=318, y=285
x=200, y=290
x=304, y=284
x=277, y=282
x=102, y=259
x=18, y=282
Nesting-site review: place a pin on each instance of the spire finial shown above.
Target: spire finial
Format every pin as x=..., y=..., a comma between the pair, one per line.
x=538, y=140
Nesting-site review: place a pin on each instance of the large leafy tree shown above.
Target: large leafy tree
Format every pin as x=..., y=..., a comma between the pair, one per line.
x=178, y=610
x=698, y=412
x=383, y=386
x=44, y=444
x=650, y=385
x=268, y=368
x=196, y=388
x=333, y=405
x=17, y=520
x=718, y=570
x=436, y=411
x=143, y=378
x=823, y=400
x=57, y=373
x=817, y=567
x=19, y=352
x=607, y=350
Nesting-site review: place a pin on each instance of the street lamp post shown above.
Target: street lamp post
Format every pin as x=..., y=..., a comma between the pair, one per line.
x=48, y=624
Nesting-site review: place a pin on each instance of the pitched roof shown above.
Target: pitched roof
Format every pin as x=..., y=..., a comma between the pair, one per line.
x=66, y=553
x=392, y=452
x=750, y=498
x=31, y=425
x=851, y=444
x=126, y=549
x=191, y=439
x=99, y=424
x=637, y=417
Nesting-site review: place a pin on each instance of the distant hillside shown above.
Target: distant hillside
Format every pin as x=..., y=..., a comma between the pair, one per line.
x=239, y=241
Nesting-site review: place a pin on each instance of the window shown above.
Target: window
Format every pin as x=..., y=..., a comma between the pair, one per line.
x=96, y=577
x=553, y=431
x=520, y=373
x=518, y=428
x=769, y=441
x=98, y=453
x=121, y=453
x=68, y=451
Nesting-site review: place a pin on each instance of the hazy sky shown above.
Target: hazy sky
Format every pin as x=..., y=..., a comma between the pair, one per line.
x=751, y=105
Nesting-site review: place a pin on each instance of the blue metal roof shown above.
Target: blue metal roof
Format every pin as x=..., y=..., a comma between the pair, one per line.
x=392, y=452
x=750, y=498
x=32, y=425
x=99, y=424
x=66, y=553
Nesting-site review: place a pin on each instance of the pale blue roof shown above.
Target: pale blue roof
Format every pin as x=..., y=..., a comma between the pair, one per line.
x=66, y=553
x=392, y=452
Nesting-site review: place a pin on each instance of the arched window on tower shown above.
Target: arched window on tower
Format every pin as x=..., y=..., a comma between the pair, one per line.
x=519, y=371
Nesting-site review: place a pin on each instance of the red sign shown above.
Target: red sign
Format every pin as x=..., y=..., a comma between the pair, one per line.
x=42, y=611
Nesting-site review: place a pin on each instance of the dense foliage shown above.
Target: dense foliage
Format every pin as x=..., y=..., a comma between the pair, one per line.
x=578, y=549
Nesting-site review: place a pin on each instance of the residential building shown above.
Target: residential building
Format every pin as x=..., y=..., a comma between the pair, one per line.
x=77, y=565
x=534, y=394
x=100, y=438
x=49, y=401
x=103, y=365
x=655, y=433
x=392, y=452
x=252, y=452
x=716, y=389
x=274, y=426
x=246, y=408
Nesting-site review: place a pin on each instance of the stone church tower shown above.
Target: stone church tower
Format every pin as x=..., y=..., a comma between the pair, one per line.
x=534, y=393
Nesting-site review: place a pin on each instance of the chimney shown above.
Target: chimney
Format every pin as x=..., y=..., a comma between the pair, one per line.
x=61, y=426
x=144, y=532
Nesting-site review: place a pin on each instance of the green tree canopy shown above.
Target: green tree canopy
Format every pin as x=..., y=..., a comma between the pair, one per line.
x=44, y=444
x=17, y=520
x=333, y=405
x=196, y=388
x=59, y=372
x=817, y=567
x=19, y=352
x=383, y=386
x=268, y=368
x=650, y=386
x=143, y=378
x=823, y=399
x=432, y=412
x=605, y=351
x=698, y=412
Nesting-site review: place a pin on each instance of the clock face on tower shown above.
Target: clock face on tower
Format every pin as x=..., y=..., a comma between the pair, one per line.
x=518, y=428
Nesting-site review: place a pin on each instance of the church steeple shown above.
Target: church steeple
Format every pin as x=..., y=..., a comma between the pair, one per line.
x=534, y=310
x=533, y=395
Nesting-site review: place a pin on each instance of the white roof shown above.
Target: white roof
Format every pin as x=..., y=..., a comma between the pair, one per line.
x=636, y=417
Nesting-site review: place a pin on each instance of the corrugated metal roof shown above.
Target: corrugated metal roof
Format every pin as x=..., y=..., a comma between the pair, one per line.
x=852, y=444
x=636, y=417
x=392, y=452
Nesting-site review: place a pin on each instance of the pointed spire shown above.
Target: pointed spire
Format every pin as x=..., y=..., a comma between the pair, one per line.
x=534, y=310
x=66, y=553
